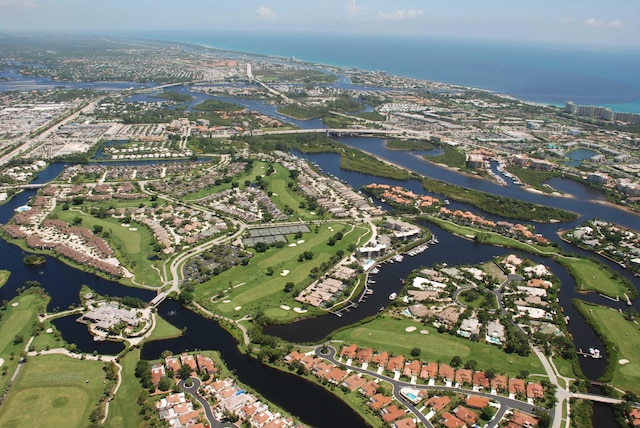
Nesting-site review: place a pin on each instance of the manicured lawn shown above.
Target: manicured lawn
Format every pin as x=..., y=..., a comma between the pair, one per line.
x=388, y=334
x=4, y=277
x=626, y=337
x=53, y=391
x=163, y=330
x=131, y=247
x=591, y=276
x=277, y=183
x=17, y=320
x=253, y=287
x=124, y=410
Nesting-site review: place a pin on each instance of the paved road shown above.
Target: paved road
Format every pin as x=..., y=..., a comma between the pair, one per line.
x=505, y=402
x=193, y=390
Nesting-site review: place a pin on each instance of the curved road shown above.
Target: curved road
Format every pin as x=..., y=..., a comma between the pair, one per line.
x=193, y=391
x=505, y=402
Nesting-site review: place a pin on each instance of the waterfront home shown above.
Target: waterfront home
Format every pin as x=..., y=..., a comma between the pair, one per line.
x=391, y=413
x=172, y=363
x=404, y=423
x=205, y=364
x=354, y=382
x=335, y=375
x=369, y=388
x=378, y=401
x=157, y=371
x=294, y=356
x=189, y=361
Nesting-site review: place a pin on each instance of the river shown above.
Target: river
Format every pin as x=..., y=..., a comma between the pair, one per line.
x=63, y=282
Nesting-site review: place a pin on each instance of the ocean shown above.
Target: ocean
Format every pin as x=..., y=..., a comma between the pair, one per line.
x=549, y=74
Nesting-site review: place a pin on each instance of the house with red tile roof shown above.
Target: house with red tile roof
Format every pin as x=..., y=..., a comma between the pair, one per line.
x=321, y=368
x=499, y=383
x=378, y=401
x=309, y=361
x=522, y=419
x=369, y=388
x=535, y=390
x=465, y=415
x=477, y=402
x=464, y=376
x=294, y=356
x=189, y=361
x=335, y=375
x=429, y=371
x=446, y=372
x=354, y=382
x=404, y=423
x=516, y=386
x=396, y=363
x=189, y=418
x=349, y=351
x=364, y=355
x=437, y=403
x=205, y=364
x=157, y=371
x=381, y=358
x=391, y=413
x=412, y=368
x=172, y=363
x=480, y=379
x=450, y=421
x=634, y=417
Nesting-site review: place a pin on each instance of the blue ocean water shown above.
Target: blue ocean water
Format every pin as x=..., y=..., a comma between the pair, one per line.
x=538, y=73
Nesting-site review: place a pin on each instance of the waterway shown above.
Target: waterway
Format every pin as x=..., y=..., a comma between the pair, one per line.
x=63, y=282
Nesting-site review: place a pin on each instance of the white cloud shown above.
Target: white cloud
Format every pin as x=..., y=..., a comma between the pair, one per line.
x=354, y=9
x=592, y=22
x=566, y=21
x=265, y=12
x=400, y=14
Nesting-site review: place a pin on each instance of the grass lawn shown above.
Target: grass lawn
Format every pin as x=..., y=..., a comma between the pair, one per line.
x=46, y=340
x=4, y=277
x=388, y=334
x=131, y=247
x=17, y=320
x=163, y=330
x=52, y=391
x=626, y=337
x=591, y=276
x=253, y=288
x=277, y=183
x=124, y=410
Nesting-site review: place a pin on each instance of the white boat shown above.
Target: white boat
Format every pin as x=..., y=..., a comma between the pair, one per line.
x=393, y=296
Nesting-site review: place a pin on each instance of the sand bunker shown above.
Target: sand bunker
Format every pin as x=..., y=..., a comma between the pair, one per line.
x=49, y=330
x=1, y=362
x=14, y=304
x=293, y=244
x=410, y=329
x=285, y=307
x=284, y=273
x=133, y=229
x=226, y=301
x=301, y=241
x=624, y=361
x=424, y=331
x=237, y=308
x=299, y=310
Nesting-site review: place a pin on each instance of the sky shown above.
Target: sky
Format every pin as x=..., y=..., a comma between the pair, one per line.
x=590, y=22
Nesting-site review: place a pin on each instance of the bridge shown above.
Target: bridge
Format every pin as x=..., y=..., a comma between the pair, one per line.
x=339, y=132
x=599, y=398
